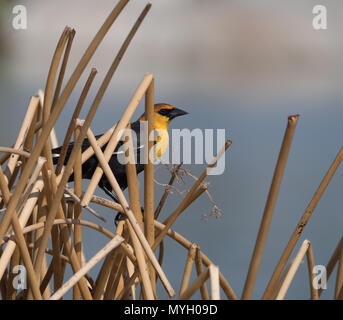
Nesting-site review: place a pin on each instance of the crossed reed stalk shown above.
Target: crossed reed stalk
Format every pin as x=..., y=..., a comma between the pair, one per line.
x=38, y=206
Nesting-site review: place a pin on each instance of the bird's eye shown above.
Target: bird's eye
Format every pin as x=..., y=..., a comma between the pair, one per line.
x=163, y=112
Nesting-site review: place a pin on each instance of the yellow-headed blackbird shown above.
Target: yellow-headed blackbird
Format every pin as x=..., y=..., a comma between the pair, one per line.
x=164, y=113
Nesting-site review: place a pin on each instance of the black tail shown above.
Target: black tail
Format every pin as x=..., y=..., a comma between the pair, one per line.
x=56, y=151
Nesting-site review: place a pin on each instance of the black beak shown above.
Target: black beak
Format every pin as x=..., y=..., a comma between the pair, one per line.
x=176, y=113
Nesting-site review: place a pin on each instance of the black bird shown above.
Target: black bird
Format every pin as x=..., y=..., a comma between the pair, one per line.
x=164, y=113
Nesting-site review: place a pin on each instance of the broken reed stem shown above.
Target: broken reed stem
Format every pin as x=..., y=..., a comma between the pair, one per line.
x=269, y=208
x=199, y=269
x=77, y=209
x=188, y=268
x=197, y=283
x=116, y=136
x=122, y=200
x=75, y=115
x=292, y=270
x=302, y=223
x=114, y=243
x=207, y=262
x=171, y=219
x=214, y=282
x=311, y=265
x=149, y=217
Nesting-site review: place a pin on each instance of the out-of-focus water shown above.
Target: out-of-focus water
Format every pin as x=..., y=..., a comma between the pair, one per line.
x=239, y=66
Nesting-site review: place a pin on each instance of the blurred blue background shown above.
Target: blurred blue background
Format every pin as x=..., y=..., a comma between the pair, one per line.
x=239, y=65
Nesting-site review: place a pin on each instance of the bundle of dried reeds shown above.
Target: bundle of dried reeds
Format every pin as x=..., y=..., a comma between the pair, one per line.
x=38, y=205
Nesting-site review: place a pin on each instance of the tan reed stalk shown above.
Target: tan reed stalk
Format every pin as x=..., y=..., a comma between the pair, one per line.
x=199, y=269
x=75, y=115
x=30, y=137
x=77, y=209
x=15, y=151
x=332, y=261
x=34, y=285
x=56, y=112
x=132, y=180
x=114, y=243
x=166, y=192
x=107, y=203
x=71, y=35
x=116, y=136
x=148, y=218
x=171, y=219
x=197, y=283
x=188, y=268
x=269, y=208
x=49, y=87
x=115, y=186
x=46, y=293
x=29, y=116
x=46, y=279
x=130, y=270
x=339, y=279
x=146, y=282
x=311, y=265
x=214, y=282
x=277, y=287
x=161, y=253
x=186, y=244
x=302, y=223
x=42, y=212
x=292, y=270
